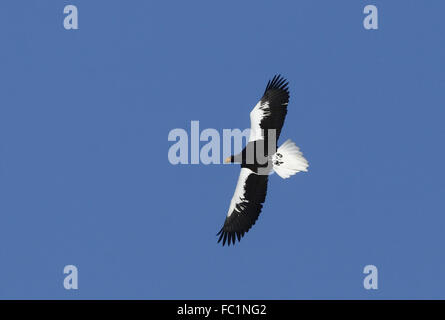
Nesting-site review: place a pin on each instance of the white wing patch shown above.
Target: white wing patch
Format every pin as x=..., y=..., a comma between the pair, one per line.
x=257, y=114
x=238, y=196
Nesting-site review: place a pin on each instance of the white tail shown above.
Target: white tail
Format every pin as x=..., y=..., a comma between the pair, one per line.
x=288, y=160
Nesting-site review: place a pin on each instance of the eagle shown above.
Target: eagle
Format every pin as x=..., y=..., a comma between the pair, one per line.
x=259, y=159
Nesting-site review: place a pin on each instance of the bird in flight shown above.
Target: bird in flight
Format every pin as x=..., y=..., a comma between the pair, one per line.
x=259, y=159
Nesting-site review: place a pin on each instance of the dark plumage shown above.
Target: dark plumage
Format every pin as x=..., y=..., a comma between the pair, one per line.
x=277, y=96
x=250, y=194
x=247, y=212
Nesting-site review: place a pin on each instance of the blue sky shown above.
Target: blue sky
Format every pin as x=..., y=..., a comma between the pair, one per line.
x=85, y=178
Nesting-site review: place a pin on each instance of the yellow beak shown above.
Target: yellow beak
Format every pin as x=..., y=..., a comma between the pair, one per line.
x=227, y=160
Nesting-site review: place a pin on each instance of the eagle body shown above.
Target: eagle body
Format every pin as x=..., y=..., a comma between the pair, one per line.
x=259, y=159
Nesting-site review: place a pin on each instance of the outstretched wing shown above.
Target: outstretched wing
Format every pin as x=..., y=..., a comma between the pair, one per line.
x=245, y=206
x=271, y=110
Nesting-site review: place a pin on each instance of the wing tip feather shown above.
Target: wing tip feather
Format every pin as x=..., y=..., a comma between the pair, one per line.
x=277, y=82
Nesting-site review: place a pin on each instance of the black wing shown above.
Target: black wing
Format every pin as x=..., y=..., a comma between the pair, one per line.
x=271, y=110
x=245, y=206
